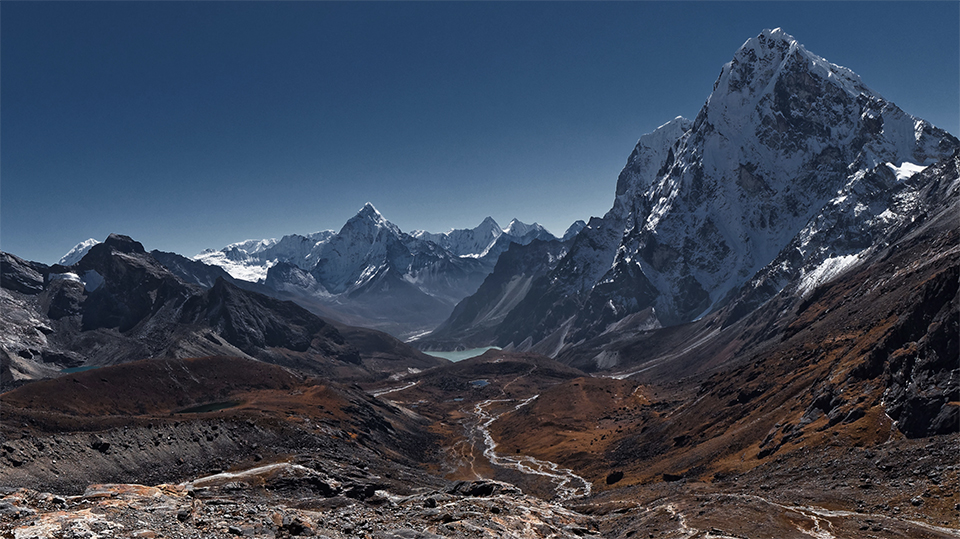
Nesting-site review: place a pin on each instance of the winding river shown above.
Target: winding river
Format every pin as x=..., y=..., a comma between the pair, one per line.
x=567, y=484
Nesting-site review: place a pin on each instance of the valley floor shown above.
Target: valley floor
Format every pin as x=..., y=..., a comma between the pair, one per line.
x=440, y=455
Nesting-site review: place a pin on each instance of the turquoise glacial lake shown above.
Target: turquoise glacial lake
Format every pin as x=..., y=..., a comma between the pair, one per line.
x=79, y=369
x=460, y=355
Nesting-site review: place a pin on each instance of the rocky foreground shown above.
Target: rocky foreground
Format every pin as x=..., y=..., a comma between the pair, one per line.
x=288, y=499
x=227, y=447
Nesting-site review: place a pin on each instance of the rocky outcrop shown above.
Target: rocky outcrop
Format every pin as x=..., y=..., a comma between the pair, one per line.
x=254, y=505
x=921, y=373
x=22, y=276
x=124, y=286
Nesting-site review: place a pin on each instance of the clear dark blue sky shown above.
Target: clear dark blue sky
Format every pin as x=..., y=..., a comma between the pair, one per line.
x=193, y=125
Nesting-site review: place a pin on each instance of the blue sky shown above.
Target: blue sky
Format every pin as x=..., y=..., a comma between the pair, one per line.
x=193, y=125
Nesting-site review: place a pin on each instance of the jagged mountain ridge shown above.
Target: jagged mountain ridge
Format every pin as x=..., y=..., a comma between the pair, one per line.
x=487, y=240
x=373, y=274
x=465, y=242
x=119, y=304
x=785, y=141
x=251, y=259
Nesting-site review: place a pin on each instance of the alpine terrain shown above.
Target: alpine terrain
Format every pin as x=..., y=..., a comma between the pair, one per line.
x=371, y=273
x=792, y=171
x=119, y=304
x=759, y=340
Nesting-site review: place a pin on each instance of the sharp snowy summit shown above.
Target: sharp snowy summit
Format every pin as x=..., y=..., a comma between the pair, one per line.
x=79, y=250
x=782, y=134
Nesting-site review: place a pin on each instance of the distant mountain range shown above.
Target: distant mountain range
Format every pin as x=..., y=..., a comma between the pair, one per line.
x=370, y=273
x=118, y=303
x=793, y=171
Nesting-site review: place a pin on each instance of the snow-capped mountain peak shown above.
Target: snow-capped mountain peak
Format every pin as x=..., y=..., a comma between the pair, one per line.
x=489, y=222
x=368, y=221
x=761, y=61
x=783, y=131
x=74, y=255
x=519, y=228
x=369, y=211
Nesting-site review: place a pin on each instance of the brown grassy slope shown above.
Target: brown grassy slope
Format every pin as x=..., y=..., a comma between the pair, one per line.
x=149, y=387
x=138, y=422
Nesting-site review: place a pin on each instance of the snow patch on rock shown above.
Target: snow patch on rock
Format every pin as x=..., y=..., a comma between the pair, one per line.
x=828, y=270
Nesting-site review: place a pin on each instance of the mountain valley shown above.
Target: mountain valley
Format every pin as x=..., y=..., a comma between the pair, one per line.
x=760, y=339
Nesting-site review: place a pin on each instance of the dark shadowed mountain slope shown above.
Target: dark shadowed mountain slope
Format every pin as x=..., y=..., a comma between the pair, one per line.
x=475, y=320
x=119, y=304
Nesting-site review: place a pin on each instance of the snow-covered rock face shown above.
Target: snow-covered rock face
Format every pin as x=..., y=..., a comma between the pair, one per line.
x=643, y=165
x=866, y=216
x=366, y=245
x=517, y=228
x=573, y=230
x=792, y=167
x=783, y=132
